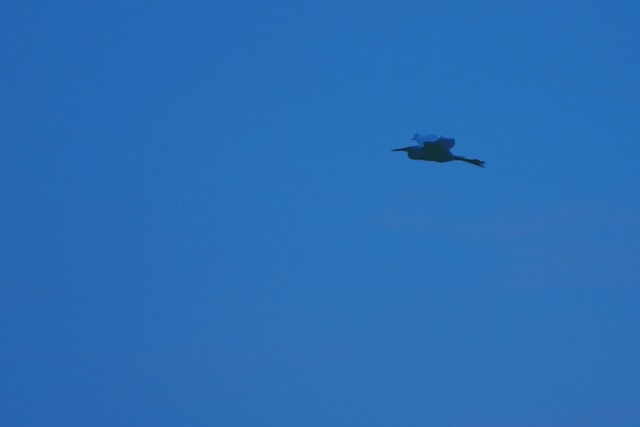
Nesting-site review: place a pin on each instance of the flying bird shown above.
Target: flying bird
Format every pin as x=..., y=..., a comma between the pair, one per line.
x=435, y=149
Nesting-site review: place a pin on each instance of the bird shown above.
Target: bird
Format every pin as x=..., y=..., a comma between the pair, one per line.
x=436, y=149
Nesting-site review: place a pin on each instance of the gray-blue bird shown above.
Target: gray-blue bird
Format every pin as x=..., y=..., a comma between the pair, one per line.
x=435, y=149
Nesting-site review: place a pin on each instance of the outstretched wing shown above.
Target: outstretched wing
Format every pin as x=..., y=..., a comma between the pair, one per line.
x=440, y=141
x=418, y=137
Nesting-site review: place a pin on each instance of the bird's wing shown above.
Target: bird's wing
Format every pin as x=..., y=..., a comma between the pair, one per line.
x=418, y=137
x=440, y=141
x=447, y=143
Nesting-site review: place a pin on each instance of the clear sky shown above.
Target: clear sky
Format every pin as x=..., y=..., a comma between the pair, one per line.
x=202, y=223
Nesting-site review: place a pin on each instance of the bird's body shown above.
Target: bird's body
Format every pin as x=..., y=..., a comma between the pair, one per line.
x=435, y=149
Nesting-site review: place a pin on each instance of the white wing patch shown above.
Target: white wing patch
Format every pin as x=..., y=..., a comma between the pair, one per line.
x=430, y=138
x=418, y=137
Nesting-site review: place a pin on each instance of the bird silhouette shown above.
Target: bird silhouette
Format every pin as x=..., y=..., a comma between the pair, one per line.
x=435, y=149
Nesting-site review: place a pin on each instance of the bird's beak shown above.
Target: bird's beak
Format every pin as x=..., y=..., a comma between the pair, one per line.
x=400, y=149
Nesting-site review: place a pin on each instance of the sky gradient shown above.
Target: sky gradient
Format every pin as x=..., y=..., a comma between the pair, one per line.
x=202, y=222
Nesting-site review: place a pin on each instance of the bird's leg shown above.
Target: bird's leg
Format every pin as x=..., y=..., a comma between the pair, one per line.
x=476, y=162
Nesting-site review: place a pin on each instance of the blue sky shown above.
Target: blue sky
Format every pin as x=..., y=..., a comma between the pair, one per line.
x=203, y=224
